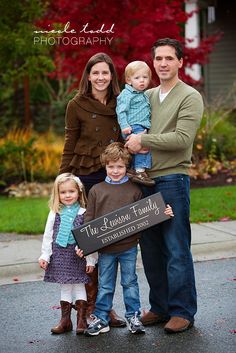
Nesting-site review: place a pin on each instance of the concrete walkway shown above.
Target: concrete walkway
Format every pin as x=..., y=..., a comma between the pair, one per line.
x=19, y=253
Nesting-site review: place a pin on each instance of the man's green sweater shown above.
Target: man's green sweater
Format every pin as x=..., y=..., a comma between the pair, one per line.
x=174, y=124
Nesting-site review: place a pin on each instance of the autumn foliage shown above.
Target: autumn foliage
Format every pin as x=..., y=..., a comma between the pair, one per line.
x=135, y=26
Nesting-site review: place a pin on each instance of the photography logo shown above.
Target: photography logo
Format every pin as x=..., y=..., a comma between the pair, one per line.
x=86, y=35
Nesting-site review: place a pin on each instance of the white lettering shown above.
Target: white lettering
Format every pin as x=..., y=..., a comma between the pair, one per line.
x=100, y=30
x=89, y=230
x=59, y=31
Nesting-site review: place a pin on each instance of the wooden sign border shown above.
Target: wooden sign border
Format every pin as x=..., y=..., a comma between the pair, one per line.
x=120, y=224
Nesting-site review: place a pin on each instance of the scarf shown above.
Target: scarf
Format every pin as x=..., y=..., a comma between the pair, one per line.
x=67, y=215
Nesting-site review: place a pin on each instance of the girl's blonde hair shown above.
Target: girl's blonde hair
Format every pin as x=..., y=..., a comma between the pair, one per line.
x=134, y=66
x=54, y=202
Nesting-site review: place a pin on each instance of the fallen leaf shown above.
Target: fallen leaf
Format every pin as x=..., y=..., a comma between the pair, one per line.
x=15, y=279
x=55, y=307
x=224, y=219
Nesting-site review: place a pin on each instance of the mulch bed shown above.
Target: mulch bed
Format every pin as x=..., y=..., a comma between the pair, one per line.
x=219, y=179
x=26, y=189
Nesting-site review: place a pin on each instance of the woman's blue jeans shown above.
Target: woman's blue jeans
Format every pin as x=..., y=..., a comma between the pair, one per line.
x=166, y=254
x=107, y=269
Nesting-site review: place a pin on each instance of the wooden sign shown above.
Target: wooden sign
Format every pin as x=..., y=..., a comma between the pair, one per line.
x=120, y=224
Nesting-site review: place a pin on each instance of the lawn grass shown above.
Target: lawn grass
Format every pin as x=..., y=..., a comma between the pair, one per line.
x=213, y=204
x=23, y=215
x=28, y=216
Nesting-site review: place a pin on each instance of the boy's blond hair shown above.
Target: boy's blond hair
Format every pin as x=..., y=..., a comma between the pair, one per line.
x=54, y=202
x=134, y=66
x=114, y=152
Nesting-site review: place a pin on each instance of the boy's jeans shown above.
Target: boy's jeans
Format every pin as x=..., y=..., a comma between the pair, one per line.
x=140, y=160
x=107, y=268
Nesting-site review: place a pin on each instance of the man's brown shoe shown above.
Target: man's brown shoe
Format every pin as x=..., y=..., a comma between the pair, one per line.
x=177, y=324
x=149, y=318
x=116, y=320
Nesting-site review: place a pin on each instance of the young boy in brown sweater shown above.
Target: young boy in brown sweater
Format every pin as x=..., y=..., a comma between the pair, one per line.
x=115, y=192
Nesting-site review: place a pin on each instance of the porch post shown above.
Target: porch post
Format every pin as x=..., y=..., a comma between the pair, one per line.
x=192, y=33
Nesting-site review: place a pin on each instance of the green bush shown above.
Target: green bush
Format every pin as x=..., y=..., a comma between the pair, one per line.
x=27, y=156
x=18, y=160
x=216, y=136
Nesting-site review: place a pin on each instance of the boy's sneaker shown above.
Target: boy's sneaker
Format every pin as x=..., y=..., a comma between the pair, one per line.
x=95, y=327
x=135, y=325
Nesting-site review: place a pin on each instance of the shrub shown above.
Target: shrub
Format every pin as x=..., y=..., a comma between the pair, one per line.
x=218, y=141
x=218, y=129
x=27, y=156
x=215, y=144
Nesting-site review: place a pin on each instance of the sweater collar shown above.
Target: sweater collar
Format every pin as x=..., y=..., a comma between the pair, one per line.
x=94, y=106
x=121, y=181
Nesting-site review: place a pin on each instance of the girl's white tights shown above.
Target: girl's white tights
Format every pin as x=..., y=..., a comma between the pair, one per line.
x=73, y=291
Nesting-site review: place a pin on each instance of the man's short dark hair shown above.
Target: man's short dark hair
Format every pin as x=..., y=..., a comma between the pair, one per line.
x=172, y=43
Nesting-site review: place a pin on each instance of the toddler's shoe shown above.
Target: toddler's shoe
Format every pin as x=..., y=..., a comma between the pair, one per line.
x=134, y=324
x=96, y=327
x=131, y=173
x=142, y=178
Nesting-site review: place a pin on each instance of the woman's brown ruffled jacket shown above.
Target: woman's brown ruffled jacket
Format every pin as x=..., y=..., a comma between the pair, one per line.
x=90, y=127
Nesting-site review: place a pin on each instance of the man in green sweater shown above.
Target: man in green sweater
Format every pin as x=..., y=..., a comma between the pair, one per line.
x=176, y=114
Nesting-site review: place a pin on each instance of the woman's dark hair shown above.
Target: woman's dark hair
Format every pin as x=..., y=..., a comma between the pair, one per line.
x=85, y=88
x=172, y=43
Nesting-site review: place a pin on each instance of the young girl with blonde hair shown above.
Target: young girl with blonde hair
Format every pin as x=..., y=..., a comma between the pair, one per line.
x=58, y=257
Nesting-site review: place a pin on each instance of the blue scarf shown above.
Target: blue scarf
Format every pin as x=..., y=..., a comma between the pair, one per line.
x=67, y=215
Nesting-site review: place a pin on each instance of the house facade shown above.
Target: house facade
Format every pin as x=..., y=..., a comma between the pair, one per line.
x=220, y=73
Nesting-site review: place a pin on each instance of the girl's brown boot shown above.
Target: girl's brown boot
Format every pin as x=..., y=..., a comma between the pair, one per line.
x=65, y=324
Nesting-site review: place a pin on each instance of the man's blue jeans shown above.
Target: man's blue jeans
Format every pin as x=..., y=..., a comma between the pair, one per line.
x=166, y=254
x=107, y=269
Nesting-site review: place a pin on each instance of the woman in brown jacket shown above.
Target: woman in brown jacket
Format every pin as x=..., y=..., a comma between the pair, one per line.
x=91, y=122
x=90, y=125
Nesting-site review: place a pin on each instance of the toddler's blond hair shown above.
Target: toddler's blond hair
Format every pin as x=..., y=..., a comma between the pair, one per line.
x=134, y=66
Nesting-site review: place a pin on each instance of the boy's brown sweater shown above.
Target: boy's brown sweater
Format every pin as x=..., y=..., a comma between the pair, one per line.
x=104, y=198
